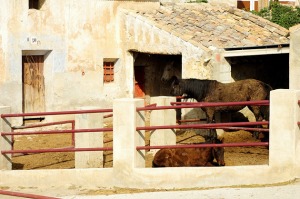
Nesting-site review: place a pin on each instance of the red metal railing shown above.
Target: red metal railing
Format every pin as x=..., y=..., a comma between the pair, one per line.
x=210, y=104
x=71, y=149
x=237, y=144
x=205, y=104
x=203, y=126
x=57, y=150
x=44, y=124
x=24, y=195
x=72, y=131
x=228, y=125
x=57, y=131
x=178, y=105
x=55, y=113
x=72, y=122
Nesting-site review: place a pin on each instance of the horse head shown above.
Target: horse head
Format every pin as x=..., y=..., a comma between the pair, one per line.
x=169, y=72
x=176, y=89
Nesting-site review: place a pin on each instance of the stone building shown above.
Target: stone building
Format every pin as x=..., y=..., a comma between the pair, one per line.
x=59, y=55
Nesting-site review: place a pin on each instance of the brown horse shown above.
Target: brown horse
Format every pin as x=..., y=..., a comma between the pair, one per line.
x=184, y=157
x=214, y=91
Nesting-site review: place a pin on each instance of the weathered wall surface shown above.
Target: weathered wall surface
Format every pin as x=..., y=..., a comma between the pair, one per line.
x=74, y=37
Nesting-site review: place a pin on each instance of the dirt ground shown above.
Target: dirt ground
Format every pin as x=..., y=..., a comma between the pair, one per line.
x=234, y=156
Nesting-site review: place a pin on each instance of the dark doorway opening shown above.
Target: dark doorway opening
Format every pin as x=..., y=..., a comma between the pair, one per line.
x=272, y=69
x=139, y=81
x=148, y=69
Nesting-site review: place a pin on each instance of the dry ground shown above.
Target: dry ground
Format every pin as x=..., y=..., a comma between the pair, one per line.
x=65, y=160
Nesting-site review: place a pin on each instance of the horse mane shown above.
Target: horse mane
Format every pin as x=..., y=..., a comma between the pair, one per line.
x=197, y=88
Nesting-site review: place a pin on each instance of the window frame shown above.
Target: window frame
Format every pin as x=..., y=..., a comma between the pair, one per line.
x=108, y=71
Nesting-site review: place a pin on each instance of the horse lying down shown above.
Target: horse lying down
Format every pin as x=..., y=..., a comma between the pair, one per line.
x=189, y=157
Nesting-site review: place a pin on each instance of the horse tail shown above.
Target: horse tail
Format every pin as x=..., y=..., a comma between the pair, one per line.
x=154, y=164
x=265, y=110
x=269, y=89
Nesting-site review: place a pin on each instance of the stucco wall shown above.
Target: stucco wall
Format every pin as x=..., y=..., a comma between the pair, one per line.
x=294, y=69
x=74, y=36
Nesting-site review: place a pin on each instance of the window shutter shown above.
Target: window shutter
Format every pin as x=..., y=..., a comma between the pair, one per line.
x=108, y=71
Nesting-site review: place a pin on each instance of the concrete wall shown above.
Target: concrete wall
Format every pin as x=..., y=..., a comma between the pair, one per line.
x=128, y=171
x=294, y=70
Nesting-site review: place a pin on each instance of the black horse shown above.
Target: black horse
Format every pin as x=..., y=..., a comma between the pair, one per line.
x=214, y=91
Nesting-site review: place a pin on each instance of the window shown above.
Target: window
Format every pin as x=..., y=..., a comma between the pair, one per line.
x=108, y=71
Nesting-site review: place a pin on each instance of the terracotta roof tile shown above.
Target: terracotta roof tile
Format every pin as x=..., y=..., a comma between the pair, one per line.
x=209, y=25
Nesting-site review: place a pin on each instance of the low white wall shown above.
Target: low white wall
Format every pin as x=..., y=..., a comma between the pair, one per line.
x=128, y=171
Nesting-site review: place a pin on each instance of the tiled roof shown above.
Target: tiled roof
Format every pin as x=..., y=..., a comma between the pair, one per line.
x=220, y=26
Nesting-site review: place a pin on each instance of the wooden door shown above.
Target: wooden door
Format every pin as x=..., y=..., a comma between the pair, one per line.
x=139, y=81
x=33, y=83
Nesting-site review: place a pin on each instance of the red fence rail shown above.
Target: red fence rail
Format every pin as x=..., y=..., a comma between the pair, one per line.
x=55, y=113
x=210, y=104
x=57, y=131
x=57, y=150
x=227, y=125
x=203, y=126
x=205, y=104
x=237, y=144
x=44, y=124
x=72, y=122
x=24, y=195
x=72, y=131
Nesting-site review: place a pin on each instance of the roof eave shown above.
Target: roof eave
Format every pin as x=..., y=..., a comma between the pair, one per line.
x=257, y=50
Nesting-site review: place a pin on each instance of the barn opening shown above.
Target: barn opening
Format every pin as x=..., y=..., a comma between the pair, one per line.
x=269, y=64
x=148, y=69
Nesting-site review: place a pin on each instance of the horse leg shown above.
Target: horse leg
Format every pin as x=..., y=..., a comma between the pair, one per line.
x=210, y=119
x=258, y=116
